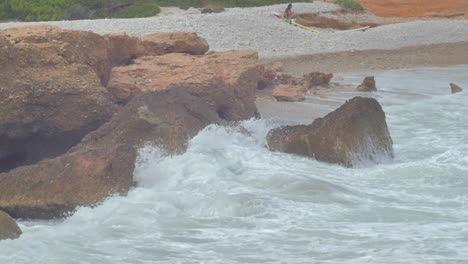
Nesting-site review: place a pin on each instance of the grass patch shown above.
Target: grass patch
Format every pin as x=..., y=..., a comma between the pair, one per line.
x=349, y=4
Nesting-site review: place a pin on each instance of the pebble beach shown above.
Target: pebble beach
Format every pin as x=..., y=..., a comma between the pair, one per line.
x=256, y=28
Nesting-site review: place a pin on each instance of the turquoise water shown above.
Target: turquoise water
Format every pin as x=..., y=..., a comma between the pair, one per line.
x=230, y=200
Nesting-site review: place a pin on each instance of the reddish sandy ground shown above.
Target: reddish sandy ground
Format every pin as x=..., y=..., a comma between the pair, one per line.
x=417, y=8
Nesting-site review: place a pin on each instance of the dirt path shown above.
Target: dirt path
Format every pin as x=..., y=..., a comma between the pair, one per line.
x=417, y=8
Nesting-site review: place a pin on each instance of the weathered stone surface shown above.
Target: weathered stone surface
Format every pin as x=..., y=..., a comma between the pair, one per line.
x=50, y=94
x=172, y=42
x=316, y=78
x=224, y=80
x=121, y=48
x=368, y=85
x=455, y=88
x=8, y=227
x=103, y=163
x=48, y=45
x=289, y=93
x=354, y=134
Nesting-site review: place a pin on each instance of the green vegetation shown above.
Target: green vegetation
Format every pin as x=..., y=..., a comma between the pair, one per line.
x=349, y=4
x=41, y=10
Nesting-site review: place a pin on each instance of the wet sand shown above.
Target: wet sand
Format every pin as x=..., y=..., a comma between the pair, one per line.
x=447, y=54
x=403, y=66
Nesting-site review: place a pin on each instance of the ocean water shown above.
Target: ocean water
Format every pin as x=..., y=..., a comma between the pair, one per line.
x=230, y=200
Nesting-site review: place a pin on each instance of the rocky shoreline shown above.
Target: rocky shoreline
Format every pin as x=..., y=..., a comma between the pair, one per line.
x=77, y=106
x=98, y=104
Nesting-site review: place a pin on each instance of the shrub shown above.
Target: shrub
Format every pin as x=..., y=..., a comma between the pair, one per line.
x=349, y=4
x=31, y=10
x=137, y=10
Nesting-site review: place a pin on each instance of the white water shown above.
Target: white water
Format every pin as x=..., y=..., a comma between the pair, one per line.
x=230, y=200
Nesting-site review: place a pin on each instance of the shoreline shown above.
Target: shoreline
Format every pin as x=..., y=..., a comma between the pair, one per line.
x=434, y=55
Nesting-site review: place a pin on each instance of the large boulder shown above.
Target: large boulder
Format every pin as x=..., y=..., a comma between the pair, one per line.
x=103, y=163
x=172, y=42
x=52, y=90
x=354, y=134
x=9, y=229
x=224, y=80
x=51, y=93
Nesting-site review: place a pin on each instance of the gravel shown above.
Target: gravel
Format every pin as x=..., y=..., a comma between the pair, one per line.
x=256, y=28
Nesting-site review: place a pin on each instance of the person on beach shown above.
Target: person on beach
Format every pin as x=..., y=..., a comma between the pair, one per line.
x=288, y=13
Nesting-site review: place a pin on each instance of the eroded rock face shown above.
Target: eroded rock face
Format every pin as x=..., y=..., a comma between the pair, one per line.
x=367, y=85
x=51, y=93
x=224, y=80
x=289, y=93
x=103, y=163
x=455, y=88
x=354, y=134
x=8, y=227
x=173, y=42
x=52, y=90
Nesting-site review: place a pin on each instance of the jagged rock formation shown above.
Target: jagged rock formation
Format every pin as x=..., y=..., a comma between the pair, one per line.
x=103, y=163
x=354, y=134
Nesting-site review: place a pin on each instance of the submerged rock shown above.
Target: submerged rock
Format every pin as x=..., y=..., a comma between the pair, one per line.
x=353, y=134
x=289, y=93
x=455, y=88
x=367, y=85
x=9, y=229
x=226, y=81
x=103, y=163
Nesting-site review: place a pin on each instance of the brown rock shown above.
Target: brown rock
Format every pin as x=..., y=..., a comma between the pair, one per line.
x=122, y=49
x=368, y=85
x=289, y=93
x=316, y=78
x=103, y=163
x=173, y=42
x=455, y=88
x=54, y=45
x=8, y=227
x=269, y=75
x=224, y=80
x=354, y=134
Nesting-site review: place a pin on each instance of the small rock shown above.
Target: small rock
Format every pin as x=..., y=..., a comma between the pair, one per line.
x=455, y=88
x=316, y=78
x=368, y=85
x=8, y=227
x=289, y=93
